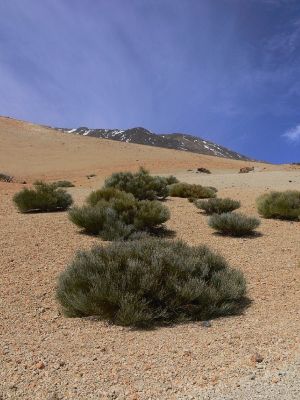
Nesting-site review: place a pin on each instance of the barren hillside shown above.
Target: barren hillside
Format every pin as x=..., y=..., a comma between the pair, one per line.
x=30, y=151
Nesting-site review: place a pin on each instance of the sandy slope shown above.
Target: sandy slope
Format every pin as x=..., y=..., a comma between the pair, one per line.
x=46, y=356
x=30, y=151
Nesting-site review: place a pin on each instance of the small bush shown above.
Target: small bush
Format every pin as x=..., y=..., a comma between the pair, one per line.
x=141, y=184
x=148, y=282
x=44, y=197
x=6, y=178
x=187, y=190
x=118, y=217
x=283, y=205
x=61, y=184
x=214, y=189
x=150, y=214
x=107, y=194
x=217, y=206
x=171, y=179
x=233, y=224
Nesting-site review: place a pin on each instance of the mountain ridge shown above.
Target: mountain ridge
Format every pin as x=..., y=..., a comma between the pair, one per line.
x=175, y=141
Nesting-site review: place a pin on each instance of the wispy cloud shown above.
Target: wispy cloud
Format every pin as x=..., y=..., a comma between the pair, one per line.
x=293, y=134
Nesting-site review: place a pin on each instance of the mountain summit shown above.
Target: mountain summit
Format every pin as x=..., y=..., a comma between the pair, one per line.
x=177, y=141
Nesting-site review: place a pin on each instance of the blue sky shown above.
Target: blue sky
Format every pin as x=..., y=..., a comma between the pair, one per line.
x=225, y=70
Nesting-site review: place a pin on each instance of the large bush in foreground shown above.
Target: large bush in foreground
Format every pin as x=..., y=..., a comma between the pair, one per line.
x=284, y=205
x=217, y=206
x=113, y=214
x=147, y=282
x=141, y=184
x=44, y=197
x=233, y=224
x=187, y=190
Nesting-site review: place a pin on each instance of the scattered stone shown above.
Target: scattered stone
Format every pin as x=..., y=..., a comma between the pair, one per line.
x=203, y=170
x=245, y=170
x=282, y=373
x=40, y=365
x=206, y=324
x=257, y=358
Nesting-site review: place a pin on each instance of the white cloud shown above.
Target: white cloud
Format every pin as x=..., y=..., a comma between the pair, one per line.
x=293, y=134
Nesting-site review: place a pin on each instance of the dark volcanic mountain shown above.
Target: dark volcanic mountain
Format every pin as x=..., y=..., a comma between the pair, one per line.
x=177, y=141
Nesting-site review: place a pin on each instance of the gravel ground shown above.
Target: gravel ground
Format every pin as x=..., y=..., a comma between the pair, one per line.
x=46, y=356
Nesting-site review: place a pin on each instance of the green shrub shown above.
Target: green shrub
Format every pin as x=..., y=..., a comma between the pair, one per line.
x=150, y=214
x=214, y=189
x=149, y=282
x=283, y=205
x=61, y=184
x=217, y=206
x=233, y=224
x=141, y=184
x=6, y=178
x=44, y=197
x=187, y=190
x=107, y=194
x=171, y=179
x=119, y=217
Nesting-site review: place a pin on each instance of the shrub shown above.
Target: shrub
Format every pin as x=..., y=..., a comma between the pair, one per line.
x=171, y=179
x=141, y=184
x=107, y=194
x=150, y=214
x=214, y=189
x=119, y=217
x=233, y=224
x=5, y=178
x=187, y=190
x=217, y=206
x=148, y=282
x=44, y=197
x=61, y=184
x=284, y=205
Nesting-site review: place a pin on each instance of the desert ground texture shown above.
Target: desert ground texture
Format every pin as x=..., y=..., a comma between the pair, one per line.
x=47, y=356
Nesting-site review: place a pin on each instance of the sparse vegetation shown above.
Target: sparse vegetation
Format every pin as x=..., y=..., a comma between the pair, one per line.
x=63, y=184
x=171, y=179
x=5, y=178
x=150, y=282
x=44, y=197
x=114, y=215
x=217, y=206
x=283, y=205
x=187, y=190
x=233, y=224
x=141, y=184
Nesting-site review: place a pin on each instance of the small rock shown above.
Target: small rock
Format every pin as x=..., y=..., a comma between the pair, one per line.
x=40, y=365
x=206, y=324
x=282, y=373
x=257, y=358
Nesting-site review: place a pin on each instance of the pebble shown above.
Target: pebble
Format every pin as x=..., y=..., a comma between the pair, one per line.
x=206, y=324
x=257, y=358
x=40, y=365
